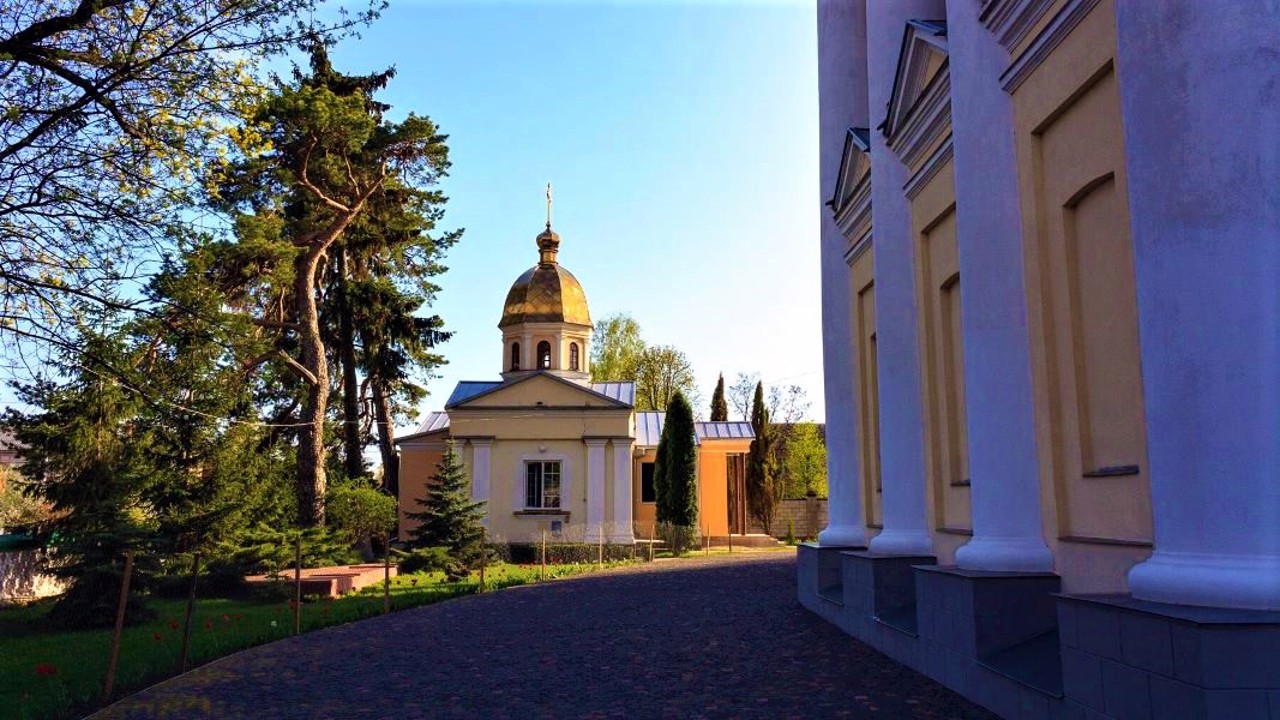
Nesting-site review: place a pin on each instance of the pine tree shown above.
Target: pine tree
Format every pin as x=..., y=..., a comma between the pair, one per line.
x=449, y=518
x=677, y=495
x=762, y=492
x=719, y=408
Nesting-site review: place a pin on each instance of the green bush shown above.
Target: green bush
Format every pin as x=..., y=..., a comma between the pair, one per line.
x=93, y=600
x=563, y=553
x=428, y=559
x=361, y=512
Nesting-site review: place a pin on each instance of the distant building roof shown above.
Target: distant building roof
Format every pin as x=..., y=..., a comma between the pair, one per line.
x=620, y=391
x=435, y=421
x=649, y=429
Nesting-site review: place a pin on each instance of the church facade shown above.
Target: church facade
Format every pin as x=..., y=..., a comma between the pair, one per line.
x=549, y=451
x=1050, y=279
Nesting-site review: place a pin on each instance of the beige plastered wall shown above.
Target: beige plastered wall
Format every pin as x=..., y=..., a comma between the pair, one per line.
x=862, y=298
x=937, y=297
x=1086, y=371
x=418, y=460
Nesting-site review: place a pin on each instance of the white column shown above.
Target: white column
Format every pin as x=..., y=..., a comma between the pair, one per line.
x=557, y=353
x=902, y=441
x=481, y=471
x=842, y=97
x=595, y=488
x=528, y=355
x=1007, y=530
x=1198, y=87
x=620, y=528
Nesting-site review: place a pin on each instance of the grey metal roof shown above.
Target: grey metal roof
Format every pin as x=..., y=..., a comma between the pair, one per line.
x=620, y=391
x=648, y=428
x=435, y=421
x=724, y=430
x=468, y=389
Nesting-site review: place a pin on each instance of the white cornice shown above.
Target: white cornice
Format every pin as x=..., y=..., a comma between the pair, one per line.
x=854, y=218
x=929, y=120
x=930, y=168
x=857, y=248
x=1049, y=38
x=1011, y=20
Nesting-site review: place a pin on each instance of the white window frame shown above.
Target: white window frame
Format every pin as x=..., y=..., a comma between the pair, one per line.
x=544, y=466
x=566, y=482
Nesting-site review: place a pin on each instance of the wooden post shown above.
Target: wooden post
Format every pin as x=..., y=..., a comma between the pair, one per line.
x=191, y=607
x=115, y=639
x=600, y=551
x=484, y=557
x=542, y=573
x=653, y=538
x=706, y=541
x=731, y=541
x=386, y=581
x=297, y=584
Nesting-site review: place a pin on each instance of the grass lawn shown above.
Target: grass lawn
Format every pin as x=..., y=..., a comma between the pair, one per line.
x=48, y=674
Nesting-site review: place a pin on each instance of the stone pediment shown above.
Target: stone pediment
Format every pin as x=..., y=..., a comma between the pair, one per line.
x=539, y=391
x=920, y=105
x=851, y=203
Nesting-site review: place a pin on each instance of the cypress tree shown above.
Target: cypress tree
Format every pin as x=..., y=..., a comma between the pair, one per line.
x=677, y=496
x=449, y=518
x=762, y=495
x=719, y=408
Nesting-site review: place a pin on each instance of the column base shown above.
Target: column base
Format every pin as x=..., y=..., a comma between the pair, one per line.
x=843, y=536
x=1229, y=581
x=1196, y=662
x=996, y=554
x=907, y=543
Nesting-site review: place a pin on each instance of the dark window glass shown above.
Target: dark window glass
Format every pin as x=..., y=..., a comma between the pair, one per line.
x=515, y=356
x=573, y=356
x=647, y=493
x=542, y=485
x=544, y=355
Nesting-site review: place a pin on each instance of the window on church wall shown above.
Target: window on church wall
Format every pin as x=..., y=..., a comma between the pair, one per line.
x=647, y=492
x=544, y=355
x=573, y=356
x=515, y=356
x=542, y=485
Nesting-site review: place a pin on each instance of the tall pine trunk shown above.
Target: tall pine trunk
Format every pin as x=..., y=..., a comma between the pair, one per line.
x=311, y=480
x=386, y=443
x=352, y=447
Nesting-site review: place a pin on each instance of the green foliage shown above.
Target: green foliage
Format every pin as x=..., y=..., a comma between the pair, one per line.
x=18, y=510
x=806, y=462
x=662, y=372
x=93, y=600
x=449, y=518
x=361, y=512
x=113, y=110
x=719, y=407
x=790, y=538
x=675, y=476
x=425, y=560
x=616, y=348
x=763, y=493
x=266, y=550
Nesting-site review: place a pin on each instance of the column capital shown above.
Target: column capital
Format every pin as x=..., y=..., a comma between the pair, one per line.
x=595, y=441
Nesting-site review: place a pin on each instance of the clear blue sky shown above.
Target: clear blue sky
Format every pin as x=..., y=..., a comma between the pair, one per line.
x=682, y=142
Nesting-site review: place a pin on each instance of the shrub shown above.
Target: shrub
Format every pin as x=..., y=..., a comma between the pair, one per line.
x=427, y=559
x=93, y=600
x=361, y=512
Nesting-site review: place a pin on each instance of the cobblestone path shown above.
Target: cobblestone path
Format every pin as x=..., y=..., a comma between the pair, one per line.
x=718, y=637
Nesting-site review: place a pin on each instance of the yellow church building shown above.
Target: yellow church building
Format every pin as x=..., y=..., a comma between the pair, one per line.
x=552, y=452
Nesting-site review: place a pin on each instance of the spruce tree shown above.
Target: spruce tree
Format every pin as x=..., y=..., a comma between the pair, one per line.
x=677, y=496
x=762, y=493
x=449, y=518
x=719, y=408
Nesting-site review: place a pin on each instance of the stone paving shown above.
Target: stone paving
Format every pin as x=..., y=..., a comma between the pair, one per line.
x=717, y=637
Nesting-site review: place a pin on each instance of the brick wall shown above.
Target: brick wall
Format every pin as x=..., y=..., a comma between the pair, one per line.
x=809, y=516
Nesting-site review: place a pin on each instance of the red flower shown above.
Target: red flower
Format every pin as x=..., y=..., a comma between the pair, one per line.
x=226, y=618
x=173, y=624
x=155, y=636
x=46, y=669
x=238, y=616
x=208, y=624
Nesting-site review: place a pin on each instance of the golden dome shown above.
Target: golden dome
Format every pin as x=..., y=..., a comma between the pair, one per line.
x=546, y=292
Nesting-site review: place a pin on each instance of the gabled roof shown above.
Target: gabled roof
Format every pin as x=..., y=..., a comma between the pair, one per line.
x=649, y=429
x=924, y=46
x=853, y=163
x=621, y=394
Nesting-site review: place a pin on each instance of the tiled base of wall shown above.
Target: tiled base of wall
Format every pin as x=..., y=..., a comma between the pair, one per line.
x=1010, y=643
